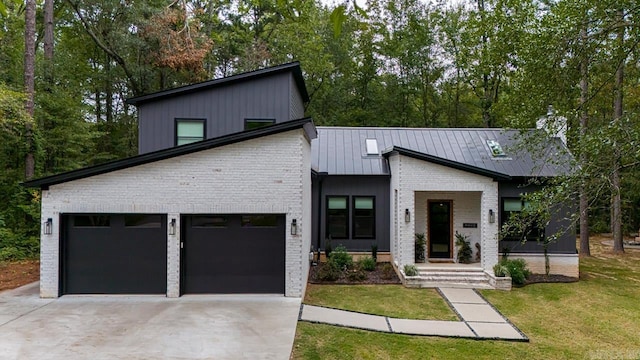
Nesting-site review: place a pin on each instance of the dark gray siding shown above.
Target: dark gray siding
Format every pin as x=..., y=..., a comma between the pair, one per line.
x=377, y=186
x=296, y=105
x=566, y=244
x=224, y=108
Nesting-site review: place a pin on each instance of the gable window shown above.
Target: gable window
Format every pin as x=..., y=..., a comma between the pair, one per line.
x=189, y=131
x=337, y=217
x=250, y=124
x=512, y=206
x=364, y=223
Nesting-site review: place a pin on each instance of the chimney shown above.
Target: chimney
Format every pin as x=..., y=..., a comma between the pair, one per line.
x=554, y=124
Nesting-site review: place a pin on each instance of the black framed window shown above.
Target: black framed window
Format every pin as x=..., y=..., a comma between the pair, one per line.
x=337, y=217
x=364, y=217
x=207, y=221
x=189, y=130
x=257, y=123
x=143, y=221
x=92, y=221
x=512, y=206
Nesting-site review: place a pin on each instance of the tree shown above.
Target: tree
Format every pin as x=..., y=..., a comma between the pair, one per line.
x=29, y=80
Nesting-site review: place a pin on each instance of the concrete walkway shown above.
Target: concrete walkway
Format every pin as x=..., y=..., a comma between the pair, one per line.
x=479, y=320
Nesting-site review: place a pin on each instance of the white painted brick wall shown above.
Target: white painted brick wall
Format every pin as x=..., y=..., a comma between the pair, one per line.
x=410, y=175
x=265, y=175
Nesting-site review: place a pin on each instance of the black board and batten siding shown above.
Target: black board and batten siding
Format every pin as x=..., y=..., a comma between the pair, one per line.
x=224, y=108
x=566, y=244
x=377, y=186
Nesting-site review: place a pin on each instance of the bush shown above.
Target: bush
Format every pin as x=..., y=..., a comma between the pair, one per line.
x=464, y=248
x=410, y=270
x=388, y=272
x=328, y=249
x=374, y=252
x=420, y=247
x=356, y=275
x=516, y=268
x=367, y=263
x=342, y=259
x=329, y=271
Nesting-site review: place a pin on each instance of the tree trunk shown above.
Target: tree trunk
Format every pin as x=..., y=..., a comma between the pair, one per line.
x=616, y=208
x=29, y=81
x=48, y=44
x=584, y=118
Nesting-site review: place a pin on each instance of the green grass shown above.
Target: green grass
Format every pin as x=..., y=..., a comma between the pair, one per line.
x=595, y=318
x=388, y=300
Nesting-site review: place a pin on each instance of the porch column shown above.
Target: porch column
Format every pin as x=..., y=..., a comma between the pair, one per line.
x=489, y=249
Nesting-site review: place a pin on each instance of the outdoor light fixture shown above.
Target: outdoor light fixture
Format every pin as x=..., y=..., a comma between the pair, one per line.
x=48, y=226
x=294, y=227
x=172, y=227
x=492, y=216
x=407, y=215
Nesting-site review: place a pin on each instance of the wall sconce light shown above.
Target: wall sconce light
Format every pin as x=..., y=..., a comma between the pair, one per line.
x=492, y=216
x=407, y=216
x=294, y=227
x=48, y=226
x=172, y=227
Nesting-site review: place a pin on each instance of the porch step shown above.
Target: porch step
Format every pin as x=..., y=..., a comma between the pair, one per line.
x=449, y=276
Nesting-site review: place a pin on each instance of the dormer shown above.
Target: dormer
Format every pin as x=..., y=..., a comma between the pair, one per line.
x=220, y=107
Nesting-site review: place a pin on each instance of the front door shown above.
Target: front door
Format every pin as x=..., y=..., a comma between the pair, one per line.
x=439, y=229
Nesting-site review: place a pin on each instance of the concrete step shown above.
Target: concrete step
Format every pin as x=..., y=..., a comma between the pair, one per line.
x=449, y=276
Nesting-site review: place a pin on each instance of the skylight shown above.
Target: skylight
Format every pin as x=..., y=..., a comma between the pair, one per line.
x=372, y=146
x=495, y=148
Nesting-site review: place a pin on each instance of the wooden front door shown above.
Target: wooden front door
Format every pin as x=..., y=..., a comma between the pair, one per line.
x=440, y=236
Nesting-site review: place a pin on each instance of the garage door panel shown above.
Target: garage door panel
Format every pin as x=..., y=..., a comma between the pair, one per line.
x=243, y=256
x=115, y=259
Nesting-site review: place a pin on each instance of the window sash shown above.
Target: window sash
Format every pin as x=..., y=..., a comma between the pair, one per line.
x=189, y=131
x=337, y=217
x=364, y=217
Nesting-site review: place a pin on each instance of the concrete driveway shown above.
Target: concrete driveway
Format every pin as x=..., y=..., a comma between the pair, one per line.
x=146, y=327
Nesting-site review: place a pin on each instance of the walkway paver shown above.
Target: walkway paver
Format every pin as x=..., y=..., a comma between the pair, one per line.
x=479, y=319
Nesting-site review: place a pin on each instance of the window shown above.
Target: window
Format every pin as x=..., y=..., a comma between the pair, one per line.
x=189, y=130
x=496, y=148
x=511, y=206
x=337, y=217
x=259, y=220
x=250, y=124
x=91, y=221
x=143, y=221
x=364, y=219
x=208, y=221
x=372, y=146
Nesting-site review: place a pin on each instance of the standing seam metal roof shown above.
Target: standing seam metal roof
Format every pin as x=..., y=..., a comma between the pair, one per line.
x=342, y=150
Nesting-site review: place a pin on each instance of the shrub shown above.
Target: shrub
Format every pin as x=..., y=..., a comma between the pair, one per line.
x=516, y=268
x=464, y=248
x=410, y=270
x=367, y=263
x=356, y=275
x=328, y=249
x=420, y=246
x=374, y=252
x=329, y=271
x=388, y=272
x=341, y=257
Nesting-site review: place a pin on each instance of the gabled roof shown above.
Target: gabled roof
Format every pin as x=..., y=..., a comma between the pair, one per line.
x=45, y=182
x=293, y=67
x=342, y=151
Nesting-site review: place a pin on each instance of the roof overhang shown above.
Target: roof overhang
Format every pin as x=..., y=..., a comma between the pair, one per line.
x=305, y=124
x=293, y=67
x=445, y=162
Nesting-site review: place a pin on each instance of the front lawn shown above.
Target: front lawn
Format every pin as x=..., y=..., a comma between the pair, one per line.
x=595, y=318
x=387, y=300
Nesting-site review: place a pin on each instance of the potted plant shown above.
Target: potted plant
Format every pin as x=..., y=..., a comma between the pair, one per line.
x=421, y=244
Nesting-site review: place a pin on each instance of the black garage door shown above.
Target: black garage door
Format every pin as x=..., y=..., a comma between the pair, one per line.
x=114, y=254
x=228, y=254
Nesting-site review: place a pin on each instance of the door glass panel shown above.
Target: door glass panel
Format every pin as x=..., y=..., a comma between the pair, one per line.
x=142, y=221
x=91, y=221
x=259, y=220
x=217, y=221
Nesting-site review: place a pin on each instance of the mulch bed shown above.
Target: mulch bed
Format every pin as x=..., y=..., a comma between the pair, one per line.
x=551, y=278
x=376, y=277
x=14, y=274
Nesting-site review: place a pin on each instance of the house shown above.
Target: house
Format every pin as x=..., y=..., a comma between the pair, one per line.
x=234, y=189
